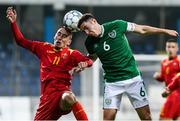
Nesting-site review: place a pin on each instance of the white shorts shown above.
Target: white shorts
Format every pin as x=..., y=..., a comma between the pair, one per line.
x=133, y=88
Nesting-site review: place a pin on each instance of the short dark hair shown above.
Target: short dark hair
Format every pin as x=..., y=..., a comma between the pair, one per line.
x=67, y=30
x=172, y=40
x=84, y=18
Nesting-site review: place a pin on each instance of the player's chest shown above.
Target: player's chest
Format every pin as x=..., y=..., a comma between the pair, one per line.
x=171, y=67
x=56, y=58
x=106, y=45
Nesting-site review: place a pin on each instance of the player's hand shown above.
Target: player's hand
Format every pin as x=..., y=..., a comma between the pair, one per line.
x=166, y=92
x=11, y=14
x=81, y=66
x=156, y=75
x=172, y=33
x=78, y=69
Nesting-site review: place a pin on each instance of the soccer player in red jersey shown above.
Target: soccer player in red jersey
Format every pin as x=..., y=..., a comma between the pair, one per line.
x=57, y=63
x=170, y=69
x=174, y=86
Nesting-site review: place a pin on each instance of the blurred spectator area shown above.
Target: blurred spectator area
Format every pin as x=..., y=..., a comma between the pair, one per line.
x=19, y=69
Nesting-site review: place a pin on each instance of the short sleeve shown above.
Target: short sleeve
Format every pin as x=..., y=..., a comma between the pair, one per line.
x=122, y=25
x=130, y=27
x=37, y=48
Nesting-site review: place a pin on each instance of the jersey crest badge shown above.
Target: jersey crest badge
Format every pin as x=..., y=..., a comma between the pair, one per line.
x=64, y=56
x=95, y=45
x=108, y=101
x=112, y=34
x=174, y=64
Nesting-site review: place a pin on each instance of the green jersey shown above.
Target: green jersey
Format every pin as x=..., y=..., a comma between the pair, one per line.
x=114, y=52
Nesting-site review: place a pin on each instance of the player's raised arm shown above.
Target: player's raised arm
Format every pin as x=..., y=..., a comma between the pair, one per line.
x=144, y=29
x=19, y=38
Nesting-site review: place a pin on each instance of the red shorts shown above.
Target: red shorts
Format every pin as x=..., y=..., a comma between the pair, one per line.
x=171, y=108
x=49, y=107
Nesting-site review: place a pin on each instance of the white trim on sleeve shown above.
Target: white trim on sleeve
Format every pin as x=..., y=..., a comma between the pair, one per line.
x=130, y=27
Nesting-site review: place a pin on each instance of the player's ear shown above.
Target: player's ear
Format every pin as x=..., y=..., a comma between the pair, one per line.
x=69, y=42
x=93, y=20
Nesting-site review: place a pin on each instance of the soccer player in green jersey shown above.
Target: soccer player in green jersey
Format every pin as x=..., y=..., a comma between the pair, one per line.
x=108, y=42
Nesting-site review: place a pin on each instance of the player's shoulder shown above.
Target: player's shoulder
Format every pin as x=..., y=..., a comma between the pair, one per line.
x=178, y=58
x=165, y=60
x=74, y=52
x=41, y=43
x=70, y=50
x=47, y=44
x=117, y=21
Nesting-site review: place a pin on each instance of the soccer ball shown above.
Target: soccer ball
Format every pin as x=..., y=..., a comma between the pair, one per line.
x=71, y=19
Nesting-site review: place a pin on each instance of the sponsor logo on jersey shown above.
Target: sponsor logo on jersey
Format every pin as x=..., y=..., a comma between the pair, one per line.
x=112, y=34
x=64, y=55
x=50, y=51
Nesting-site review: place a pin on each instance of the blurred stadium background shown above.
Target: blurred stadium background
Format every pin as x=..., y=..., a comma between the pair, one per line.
x=39, y=20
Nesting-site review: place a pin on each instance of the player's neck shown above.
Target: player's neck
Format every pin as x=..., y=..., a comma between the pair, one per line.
x=59, y=49
x=172, y=57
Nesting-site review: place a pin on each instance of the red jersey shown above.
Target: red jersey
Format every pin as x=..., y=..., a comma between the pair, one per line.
x=169, y=69
x=170, y=75
x=54, y=65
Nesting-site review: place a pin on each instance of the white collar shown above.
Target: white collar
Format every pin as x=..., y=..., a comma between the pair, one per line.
x=102, y=31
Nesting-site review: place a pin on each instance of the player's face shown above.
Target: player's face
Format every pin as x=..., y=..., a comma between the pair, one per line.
x=91, y=28
x=62, y=38
x=171, y=49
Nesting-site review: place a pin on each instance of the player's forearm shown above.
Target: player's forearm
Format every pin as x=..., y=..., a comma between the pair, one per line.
x=159, y=79
x=172, y=86
x=158, y=76
x=19, y=38
x=17, y=33
x=152, y=30
x=147, y=30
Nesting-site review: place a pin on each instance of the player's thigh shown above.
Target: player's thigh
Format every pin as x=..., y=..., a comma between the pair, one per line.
x=48, y=108
x=109, y=114
x=144, y=112
x=112, y=102
x=168, y=110
x=112, y=95
x=137, y=93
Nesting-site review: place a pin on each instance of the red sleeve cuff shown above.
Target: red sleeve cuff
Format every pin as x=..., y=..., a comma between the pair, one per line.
x=89, y=62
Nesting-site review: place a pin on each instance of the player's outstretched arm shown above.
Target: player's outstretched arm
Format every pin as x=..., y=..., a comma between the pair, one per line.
x=19, y=38
x=146, y=30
